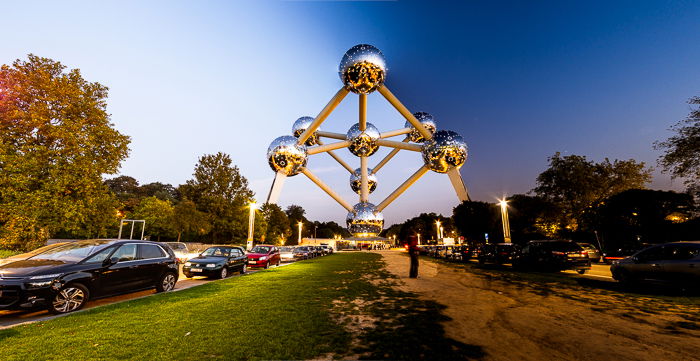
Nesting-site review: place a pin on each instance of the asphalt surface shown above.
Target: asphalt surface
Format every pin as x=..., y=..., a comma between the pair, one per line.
x=16, y=317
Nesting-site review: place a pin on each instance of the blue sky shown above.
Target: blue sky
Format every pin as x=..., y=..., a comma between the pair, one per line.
x=519, y=80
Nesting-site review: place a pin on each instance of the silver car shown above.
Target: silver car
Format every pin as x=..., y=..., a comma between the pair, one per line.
x=676, y=262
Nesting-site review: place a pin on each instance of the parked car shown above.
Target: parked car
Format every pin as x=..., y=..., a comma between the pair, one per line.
x=553, y=256
x=327, y=249
x=676, y=262
x=263, y=256
x=23, y=256
x=64, y=278
x=618, y=254
x=499, y=253
x=593, y=253
x=287, y=254
x=216, y=261
x=182, y=252
x=302, y=252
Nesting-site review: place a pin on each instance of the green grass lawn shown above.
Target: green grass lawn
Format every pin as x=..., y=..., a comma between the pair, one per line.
x=292, y=312
x=7, y=253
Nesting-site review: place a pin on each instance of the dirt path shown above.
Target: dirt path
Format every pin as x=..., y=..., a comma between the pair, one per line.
x=524, y=321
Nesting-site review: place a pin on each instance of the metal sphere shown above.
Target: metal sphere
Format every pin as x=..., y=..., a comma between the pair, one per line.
x=362, y=69
x=365, y=220
x=445, y=151
x=286, y=156
x=363, y=144
x=428, y=122
x=301, y=125
x=356, y=180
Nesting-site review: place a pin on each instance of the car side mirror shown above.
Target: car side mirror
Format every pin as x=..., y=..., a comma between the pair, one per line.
x=111, y=261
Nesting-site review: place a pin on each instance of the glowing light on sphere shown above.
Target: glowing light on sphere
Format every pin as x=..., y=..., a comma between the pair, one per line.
x=356, y=180
x=363, y=144
x=365, y=220
x=445, y=151
x=300, y=126
x=362, y=69
x=286, y=156
x=428, y=122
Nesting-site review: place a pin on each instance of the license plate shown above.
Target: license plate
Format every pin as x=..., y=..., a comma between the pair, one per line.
x=196, y=270
x=574, y=255
x=253, y=262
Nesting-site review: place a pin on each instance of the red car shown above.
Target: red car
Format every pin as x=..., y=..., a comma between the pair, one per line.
x=264, y=255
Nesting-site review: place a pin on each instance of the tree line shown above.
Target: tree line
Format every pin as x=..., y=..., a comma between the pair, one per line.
x=58, y=150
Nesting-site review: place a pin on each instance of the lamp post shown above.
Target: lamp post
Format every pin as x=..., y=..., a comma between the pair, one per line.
x=251, y=223
x=504, y=220
x=418, y=238
x=299, y=240
x=437, y=230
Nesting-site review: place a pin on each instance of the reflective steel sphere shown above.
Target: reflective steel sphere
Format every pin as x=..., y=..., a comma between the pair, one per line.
x=363, y=144
x=428, y=122
x=445, y=151
x=356, y=181
x=286, y=156
x=362, y=69
x=300, y=126
x=365, y=220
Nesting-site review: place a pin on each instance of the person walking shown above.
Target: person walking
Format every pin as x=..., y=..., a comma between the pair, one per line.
x=413, y=254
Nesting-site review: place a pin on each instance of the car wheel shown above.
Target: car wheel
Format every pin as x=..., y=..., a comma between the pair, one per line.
x=244, y=269
x=224, y=272
x=69, y=298
x=581, y=271
x=267, y=265
x=166, y=283
x=624, y=277
x=187, y=275
x=278, y=263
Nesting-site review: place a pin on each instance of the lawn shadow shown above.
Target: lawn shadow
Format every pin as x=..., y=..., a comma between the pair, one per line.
x=7, y=333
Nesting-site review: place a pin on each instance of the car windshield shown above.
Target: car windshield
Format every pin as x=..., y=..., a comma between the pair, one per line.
x=216, y=252
x=301, y=249
x=259, y=249
x=177, y=246
x=286, y=249
x=72, y=252
x=564, y=246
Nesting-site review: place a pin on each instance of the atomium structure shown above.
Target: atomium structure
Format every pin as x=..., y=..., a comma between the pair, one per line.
x=363, y=70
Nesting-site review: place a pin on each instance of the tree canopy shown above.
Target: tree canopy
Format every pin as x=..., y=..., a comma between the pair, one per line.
x=56, y=143
x=574, y=183
x=682, y=151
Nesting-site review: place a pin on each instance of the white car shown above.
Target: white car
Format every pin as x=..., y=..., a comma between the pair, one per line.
x=181, y=251
x=287, y=254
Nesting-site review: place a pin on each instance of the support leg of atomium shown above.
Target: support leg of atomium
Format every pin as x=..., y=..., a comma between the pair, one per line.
x=337, y=98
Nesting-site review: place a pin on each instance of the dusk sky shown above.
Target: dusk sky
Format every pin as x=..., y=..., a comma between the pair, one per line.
x=519, y=80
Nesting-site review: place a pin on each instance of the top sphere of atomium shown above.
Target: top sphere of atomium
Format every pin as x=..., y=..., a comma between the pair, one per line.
x=365, y=220
x=428, y=122
x=356, y=180
x=362, y=69
x=285, y=155
x=445, y=151
x=363, y=144
x=301, y=125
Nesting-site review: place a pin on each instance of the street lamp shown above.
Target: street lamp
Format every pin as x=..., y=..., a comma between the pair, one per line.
x=418, y=238
x=504, y=220
x=299, y=240
x=442, y=232
x=437, y=230
x=251, y=223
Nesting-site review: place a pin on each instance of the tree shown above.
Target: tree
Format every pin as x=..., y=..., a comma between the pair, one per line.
x=219, y=189
x=576, y=184
x=532, y=217
x=278, y=229
x=158, y=215
x=474, y=219
x=682, y=151
x=636, y=216
x=56, y=142
x=127, y=191
x=295, y=214
x=188, y=220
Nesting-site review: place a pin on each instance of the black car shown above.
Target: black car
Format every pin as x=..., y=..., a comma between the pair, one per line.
x=677, y=263
x=64, y=278
x=302, y=252
x=217, y=261
x=553, y=256
x=498, y=253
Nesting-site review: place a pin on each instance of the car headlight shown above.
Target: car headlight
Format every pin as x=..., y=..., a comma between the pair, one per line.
x=263, y=258
x=40, y=284
x=211, y=265
x=188, y=264
x=41, y=277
